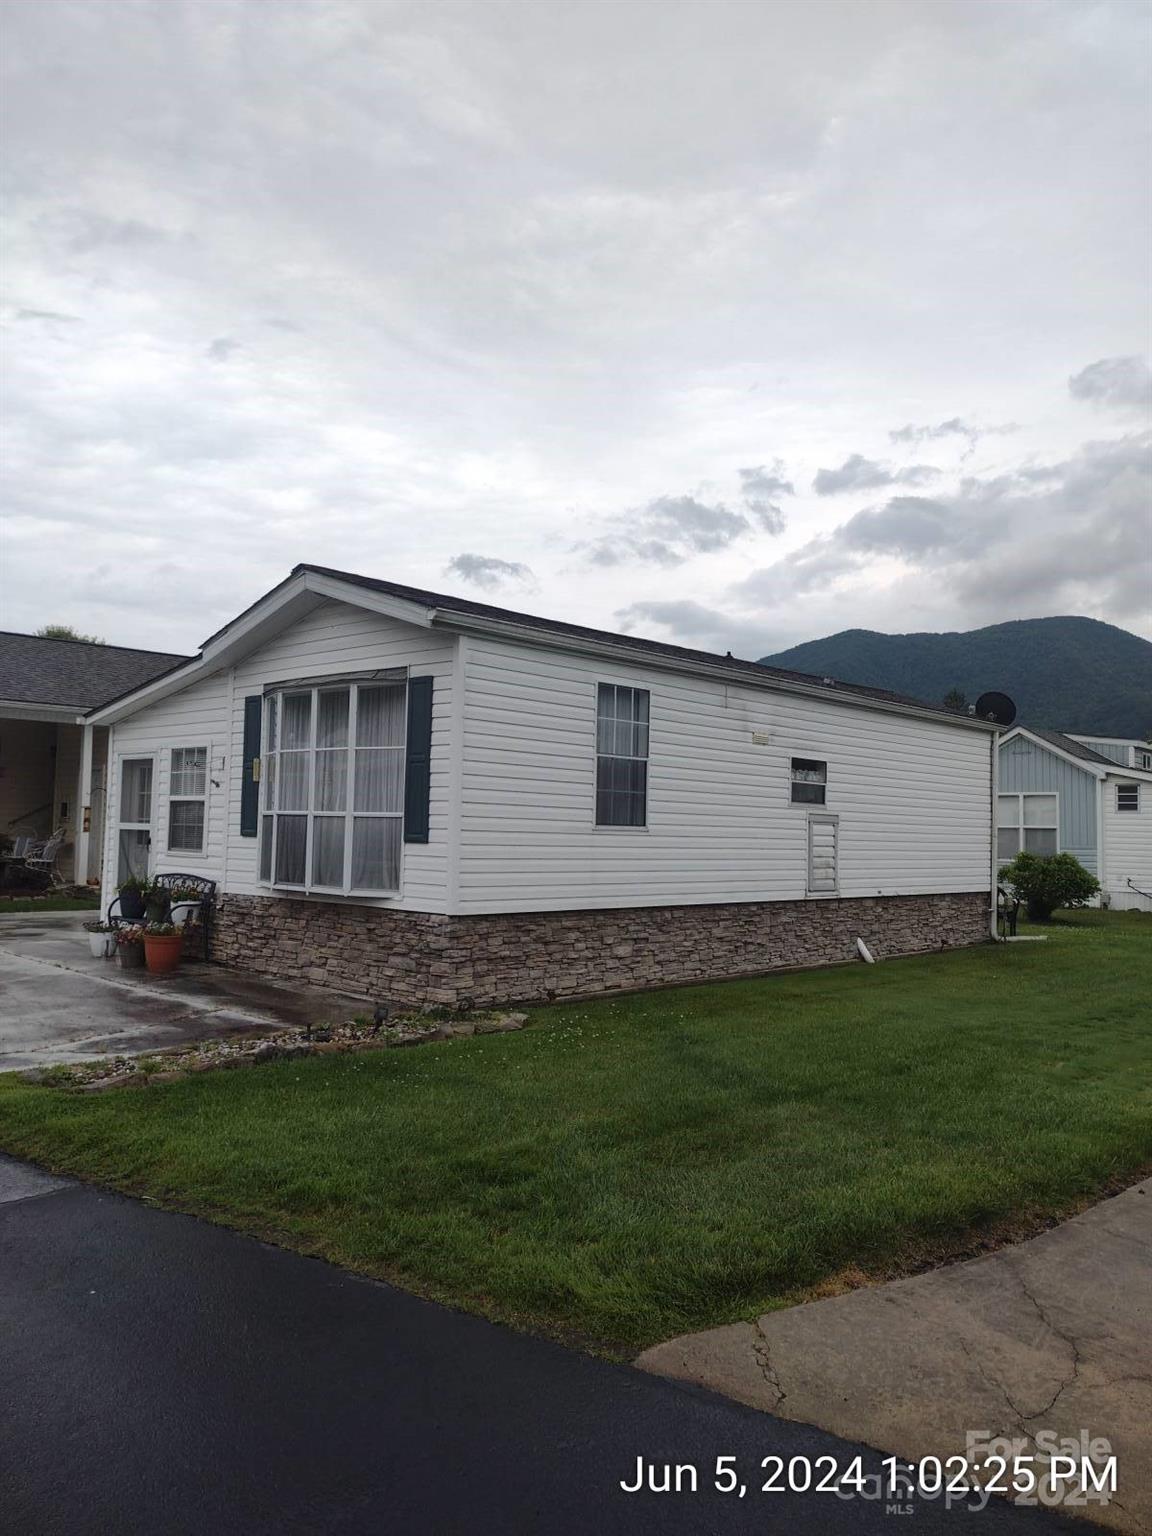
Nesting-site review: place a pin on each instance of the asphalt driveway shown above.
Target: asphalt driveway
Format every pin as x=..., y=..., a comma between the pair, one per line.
x=168, y=1377
x=58, y=1004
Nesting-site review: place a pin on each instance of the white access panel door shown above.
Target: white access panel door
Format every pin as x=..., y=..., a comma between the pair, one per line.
x=823, y=852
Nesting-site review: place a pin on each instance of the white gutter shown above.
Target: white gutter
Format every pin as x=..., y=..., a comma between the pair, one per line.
x=581, y=645
x=1100, y=860
x=995, y=776
x=51, y=714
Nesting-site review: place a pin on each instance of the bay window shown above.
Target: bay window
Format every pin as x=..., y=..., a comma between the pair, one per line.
x=332, y=790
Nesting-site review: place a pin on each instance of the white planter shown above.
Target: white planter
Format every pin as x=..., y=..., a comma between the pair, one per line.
x=182, y=911
x=102, y=945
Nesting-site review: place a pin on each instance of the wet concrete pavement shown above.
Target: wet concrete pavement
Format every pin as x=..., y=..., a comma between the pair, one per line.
x=58, y=1004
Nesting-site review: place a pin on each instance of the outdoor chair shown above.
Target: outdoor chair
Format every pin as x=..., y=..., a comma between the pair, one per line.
x=1007, y=912
x=205, y=913
x=40, y=858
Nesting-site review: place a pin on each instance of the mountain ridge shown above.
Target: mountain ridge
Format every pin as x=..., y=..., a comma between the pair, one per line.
x=1067, y=673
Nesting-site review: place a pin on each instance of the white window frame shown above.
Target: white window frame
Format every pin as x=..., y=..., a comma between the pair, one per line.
x=611, y=828
x=1128, y=810
x=398, y=676
x=1021, y=796
x=187, y=746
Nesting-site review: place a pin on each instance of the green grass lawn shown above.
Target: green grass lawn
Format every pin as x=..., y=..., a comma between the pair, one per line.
x=53, y=903
x=625, y=1170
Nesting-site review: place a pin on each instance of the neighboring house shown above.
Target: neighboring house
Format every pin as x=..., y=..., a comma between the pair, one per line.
x=415, y=796
x=1058, y=794
x=51, y=762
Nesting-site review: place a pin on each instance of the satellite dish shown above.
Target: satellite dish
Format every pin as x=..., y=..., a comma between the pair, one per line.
x=997, y=707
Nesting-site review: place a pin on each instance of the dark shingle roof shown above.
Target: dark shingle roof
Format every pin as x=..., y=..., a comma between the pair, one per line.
x=73, y=673
x=464, y=605
x=1072, y=747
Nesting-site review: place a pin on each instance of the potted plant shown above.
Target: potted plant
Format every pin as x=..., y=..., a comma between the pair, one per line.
x=100, y=940
x=157, y=905
x=163, y=946
x=130, y=946
x=133, y=894
x=185, y=904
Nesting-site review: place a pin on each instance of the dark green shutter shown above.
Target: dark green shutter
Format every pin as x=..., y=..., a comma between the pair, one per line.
x=418, y=768
x=249, y=788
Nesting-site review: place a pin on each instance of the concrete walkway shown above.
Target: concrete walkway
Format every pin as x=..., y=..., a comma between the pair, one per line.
x=1053, y=1335
x=58, y=1004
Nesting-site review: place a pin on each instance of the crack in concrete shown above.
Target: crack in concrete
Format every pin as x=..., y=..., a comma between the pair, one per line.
x=1067, y=1339
x=762, y=1353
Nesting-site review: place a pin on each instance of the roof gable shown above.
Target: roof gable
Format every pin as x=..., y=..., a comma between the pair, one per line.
x=1075, y=751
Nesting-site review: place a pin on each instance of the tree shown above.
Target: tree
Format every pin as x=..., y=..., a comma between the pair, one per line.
x=955, y=699
x=66, y=632
x=1044, y=884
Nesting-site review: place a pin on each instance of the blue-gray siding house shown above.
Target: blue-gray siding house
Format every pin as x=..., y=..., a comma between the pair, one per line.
x=1058, y=794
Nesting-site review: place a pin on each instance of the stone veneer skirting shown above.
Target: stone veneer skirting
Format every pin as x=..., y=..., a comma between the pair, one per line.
x=414, y=958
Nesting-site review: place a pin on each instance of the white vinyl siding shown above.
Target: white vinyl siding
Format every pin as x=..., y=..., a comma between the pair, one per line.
x=912, y=796
x=196, y=716
x=1127, y=848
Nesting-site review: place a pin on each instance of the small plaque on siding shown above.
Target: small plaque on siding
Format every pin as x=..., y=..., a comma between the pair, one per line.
x=761, y=738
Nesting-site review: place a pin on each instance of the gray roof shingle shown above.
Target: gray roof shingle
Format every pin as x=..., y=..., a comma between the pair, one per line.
x=464, y=605
x=1072, y=747
x=73, y=673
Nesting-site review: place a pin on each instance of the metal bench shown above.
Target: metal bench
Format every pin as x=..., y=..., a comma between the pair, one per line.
x=205, y=913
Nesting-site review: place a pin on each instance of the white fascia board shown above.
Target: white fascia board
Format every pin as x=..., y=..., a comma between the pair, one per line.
x=50, y=714
x=551, y=640
x=364, y=597
x=1097, y=770
x=1126, y=775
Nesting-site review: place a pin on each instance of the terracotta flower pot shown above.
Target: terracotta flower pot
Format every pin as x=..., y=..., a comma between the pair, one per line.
x=162, y=951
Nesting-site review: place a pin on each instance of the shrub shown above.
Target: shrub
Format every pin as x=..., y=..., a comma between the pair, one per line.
x=1043, y=884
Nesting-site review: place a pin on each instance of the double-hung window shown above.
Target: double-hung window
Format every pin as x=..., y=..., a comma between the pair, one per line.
x=1026, y=824
x=1127, y=797
x=621, y=756
x=332, y=800
x=187, y=799
x=809, y=781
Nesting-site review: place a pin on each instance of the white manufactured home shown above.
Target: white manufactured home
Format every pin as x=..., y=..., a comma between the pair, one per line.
x=1087, y=796
x=415, y=796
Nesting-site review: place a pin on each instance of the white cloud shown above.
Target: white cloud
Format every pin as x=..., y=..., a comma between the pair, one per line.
x=377, y=284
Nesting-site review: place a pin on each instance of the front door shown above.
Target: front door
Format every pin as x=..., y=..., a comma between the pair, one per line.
x=135, y=825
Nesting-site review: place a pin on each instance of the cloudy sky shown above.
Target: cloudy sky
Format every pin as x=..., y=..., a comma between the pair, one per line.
x=735, y=323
